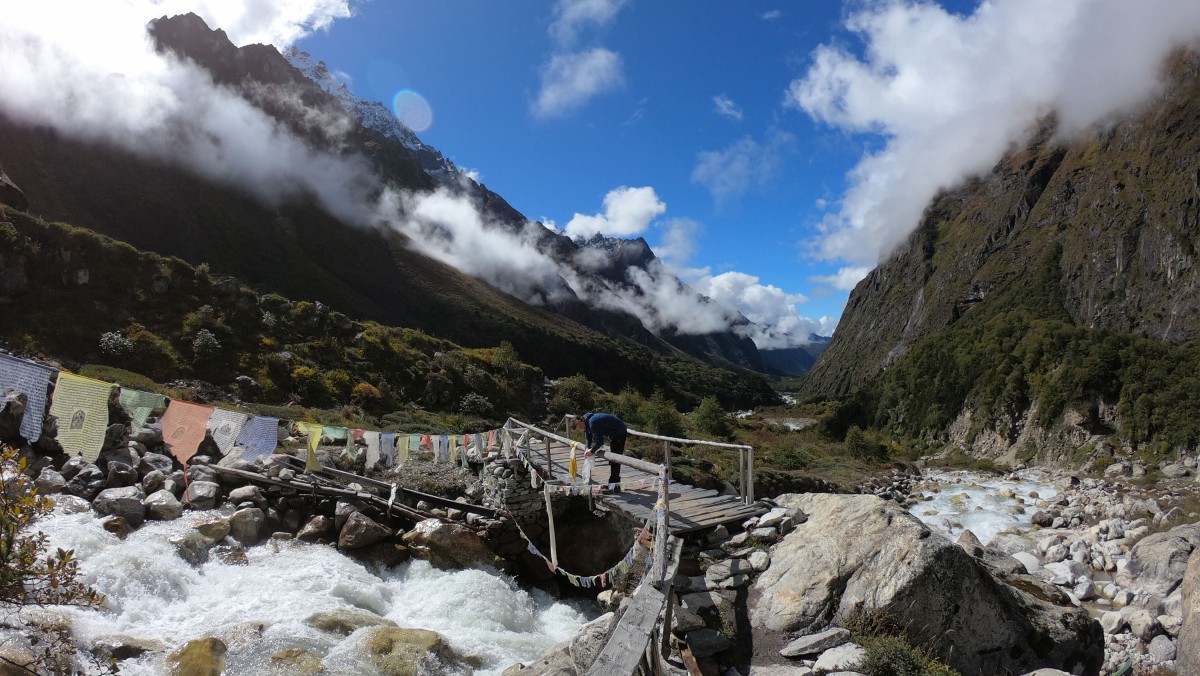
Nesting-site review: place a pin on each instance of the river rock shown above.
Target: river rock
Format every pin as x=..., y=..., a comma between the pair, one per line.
x=859, y=554
x=341, y=512
x=151, y=462
x=1162, y=649
x=248, y=526
x=1157, y=563
x=298, y=661
x=448, y=545
x=707, y=642
x=360, y=531
x=346, y=621
x=318, y=528
x=125, y=502
x=725, y=569
x=397, y=651
x=1188, y=643
x=684, y=620
x=842, y=658
x=759, y=560
x=87, y=482
x=163, y=506
x=120, y=474
x=199, y=657
x=247, y=494
x=814, y=644
x=202, y=494
x=71, y=504
x=50, y=482
x=215, y=528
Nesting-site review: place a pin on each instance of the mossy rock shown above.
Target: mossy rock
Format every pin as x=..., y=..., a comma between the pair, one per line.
x=298, y=661
x=200, y=657
x=345, y=621
x=400, y=651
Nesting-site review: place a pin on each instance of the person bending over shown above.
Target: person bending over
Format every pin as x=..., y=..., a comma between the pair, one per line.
x=596, y=428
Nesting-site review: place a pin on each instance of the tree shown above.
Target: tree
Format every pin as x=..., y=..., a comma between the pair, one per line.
x=30, y=578
x=573, y=394
x=659, y=415
x=710, y=418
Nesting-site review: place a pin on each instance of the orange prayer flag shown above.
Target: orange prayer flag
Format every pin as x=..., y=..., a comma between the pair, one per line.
x=183, y=428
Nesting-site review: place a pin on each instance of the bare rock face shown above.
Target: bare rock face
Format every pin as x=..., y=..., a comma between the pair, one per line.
x=448, y=545
x=1188, y=644
x=573, y=656
x=860, y=555
x=1157, y=562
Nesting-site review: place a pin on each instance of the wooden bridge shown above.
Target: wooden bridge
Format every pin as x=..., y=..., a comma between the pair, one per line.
x=643, y=632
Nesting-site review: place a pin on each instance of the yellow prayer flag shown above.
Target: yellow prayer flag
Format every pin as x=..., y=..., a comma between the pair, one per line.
x=81, y=405
x=572, y=465
x=313, y=432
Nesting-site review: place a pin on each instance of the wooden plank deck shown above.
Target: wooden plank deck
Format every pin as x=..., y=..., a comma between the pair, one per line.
x=691, y=508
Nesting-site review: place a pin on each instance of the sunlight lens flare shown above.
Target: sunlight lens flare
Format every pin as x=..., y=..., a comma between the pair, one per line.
x=413, y=110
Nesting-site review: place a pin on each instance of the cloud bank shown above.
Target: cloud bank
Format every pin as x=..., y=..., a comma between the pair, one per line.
x=950, y=94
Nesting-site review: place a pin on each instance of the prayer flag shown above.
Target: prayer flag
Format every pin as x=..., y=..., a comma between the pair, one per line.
x=453, y=450
x=335, y=434
x=183, y=427
x=387, y=449
x=373, y=445
x=139, y=405
x=31, y=379
x=313, y=431
x=259, y=437
x=571, y=465
x=225, y=427
x=81, y=405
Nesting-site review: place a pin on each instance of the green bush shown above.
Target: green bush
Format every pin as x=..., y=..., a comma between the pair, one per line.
x=710, y=418
x=573, y=394
x=658, y=415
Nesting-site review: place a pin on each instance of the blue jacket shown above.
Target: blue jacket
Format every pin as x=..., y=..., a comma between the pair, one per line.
x=599, y=426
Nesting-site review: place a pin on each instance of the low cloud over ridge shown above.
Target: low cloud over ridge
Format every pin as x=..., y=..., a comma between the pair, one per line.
x=950, y=94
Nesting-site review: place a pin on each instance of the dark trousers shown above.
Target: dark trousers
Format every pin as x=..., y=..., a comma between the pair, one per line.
x=615, y=445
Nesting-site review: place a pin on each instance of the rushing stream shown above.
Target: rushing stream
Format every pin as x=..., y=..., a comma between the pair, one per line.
x=154, y=594
x=982, y=503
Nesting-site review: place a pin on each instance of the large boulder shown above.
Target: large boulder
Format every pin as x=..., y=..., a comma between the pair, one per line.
x=87, y=482
x=448, y=545
x=248, y=526
x=859, y=556
x=400, y=651
x=573, y=656
x=361, y=531
x=1188, y=644
x=199, y=657
x=1157, y=562
x=125, y=502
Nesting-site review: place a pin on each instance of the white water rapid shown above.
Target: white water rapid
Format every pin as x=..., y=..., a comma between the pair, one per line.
x=982, y=503
x=154, y=594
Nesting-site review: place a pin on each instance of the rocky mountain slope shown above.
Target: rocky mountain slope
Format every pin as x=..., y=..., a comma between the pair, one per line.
x=295, y=247
x=1086, y=247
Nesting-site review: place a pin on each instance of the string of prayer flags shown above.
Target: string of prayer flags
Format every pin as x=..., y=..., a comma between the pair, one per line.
x=373, y=445
x=259, y=437
x=31, y=379
x=183, y=428
x=225, y=426
x=313, y=431
x=139, y=405
x=81, y=405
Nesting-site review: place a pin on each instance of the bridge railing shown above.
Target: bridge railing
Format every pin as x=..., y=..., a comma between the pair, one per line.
x=745, y=455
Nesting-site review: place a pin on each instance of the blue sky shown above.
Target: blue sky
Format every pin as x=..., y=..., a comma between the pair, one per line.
x=771, y=152
x=479, y=67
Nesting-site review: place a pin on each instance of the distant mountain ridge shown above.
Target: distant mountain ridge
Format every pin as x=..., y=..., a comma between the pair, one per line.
x=296, y=248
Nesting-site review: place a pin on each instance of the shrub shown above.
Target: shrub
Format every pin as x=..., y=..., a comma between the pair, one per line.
x=573, y=394
x=659, y=416
x=31, y=577
x=476, y=405
x=115, y=346
x=368, y=397
x=205, y=344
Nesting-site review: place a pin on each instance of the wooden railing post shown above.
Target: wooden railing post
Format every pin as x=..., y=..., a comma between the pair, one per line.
x=661, y=522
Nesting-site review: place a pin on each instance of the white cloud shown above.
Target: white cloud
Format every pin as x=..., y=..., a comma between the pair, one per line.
x=570, y=16
x=571, y=80
x=725, y=106
x=627, y=213
x=279, y=22
x=678, y=242
x=845, y=279
x=777, y=321
x=950, y=94
x=730, y=173
x=771, y=15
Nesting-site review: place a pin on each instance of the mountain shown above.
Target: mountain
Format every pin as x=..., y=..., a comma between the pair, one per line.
x=293, y=245
x=795, y=361
x=1066, y=279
